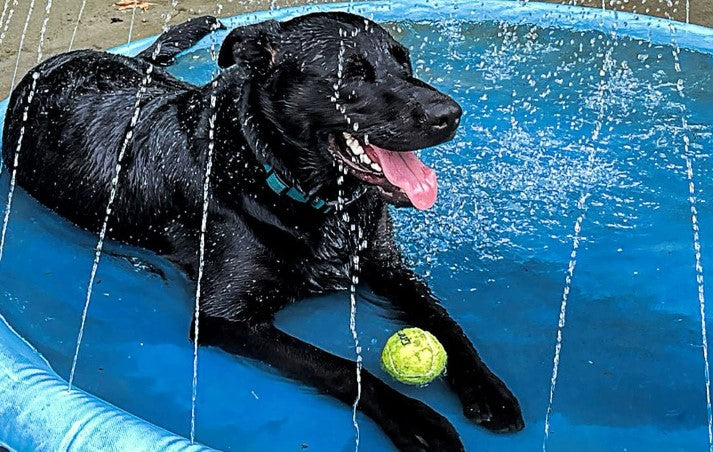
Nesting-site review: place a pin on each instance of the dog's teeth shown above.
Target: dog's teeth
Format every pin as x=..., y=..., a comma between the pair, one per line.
x=356, y=148
x=347, y=136
x=375, y=166
x=364, y=159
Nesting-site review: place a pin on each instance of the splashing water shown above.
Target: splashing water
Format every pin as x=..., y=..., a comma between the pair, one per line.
x=512, y=48
x=201, y=244
x=145, y=82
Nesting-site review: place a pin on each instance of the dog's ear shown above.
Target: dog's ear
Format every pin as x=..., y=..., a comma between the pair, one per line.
x=255, y=47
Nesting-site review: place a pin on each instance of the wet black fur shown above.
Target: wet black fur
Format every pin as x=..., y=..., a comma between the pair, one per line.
x=263, y=250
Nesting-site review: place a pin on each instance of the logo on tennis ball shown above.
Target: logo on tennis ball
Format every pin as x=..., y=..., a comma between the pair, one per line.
x=413, y=356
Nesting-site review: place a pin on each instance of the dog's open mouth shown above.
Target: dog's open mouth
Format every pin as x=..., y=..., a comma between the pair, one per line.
x=401, y=177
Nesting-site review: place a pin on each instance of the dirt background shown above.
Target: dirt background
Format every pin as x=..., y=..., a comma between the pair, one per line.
x=103, y=25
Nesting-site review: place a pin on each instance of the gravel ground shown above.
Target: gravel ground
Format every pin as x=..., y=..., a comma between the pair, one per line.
x=103, y=25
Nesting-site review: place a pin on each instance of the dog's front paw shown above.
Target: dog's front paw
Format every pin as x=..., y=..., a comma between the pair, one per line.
x=491, y=404
x=413, y=426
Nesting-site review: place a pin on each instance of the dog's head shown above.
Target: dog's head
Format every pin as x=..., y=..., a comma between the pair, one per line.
x=334, y=89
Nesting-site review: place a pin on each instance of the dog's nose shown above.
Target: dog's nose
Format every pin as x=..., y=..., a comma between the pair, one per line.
x=443, y=116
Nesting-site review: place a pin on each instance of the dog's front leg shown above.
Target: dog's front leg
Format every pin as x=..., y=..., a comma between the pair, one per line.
x=410, y=424
x=485, y=398
x=243, y=288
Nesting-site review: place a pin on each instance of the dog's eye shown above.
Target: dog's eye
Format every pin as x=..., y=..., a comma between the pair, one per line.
x=359, y=67
x=401, y=55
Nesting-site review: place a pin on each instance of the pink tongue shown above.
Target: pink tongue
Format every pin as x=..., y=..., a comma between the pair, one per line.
x=407, y=172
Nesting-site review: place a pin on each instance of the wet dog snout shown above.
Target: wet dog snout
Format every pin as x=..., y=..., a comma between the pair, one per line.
x=442, y=116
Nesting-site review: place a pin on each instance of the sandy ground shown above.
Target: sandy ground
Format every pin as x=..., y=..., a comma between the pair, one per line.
x=103, y=25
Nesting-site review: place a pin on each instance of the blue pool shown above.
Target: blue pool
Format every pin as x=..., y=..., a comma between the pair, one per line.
x=582, y=116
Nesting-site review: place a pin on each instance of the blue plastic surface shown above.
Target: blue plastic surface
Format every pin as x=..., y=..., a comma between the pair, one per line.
x=38, y=411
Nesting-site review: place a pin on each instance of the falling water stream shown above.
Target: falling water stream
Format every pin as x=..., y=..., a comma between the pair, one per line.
x=354, y=260
x=701, y=288
x=76, y=24
x=581, y=204
x=353, y=282
x=18, y=147
x=201, y=256
x=22, y=42
x=2, y=17
x=607, y=65
x=8, y=19
x=43, y=31
x=511, y=44
x=131, y=23
x=28, y=101
x=356, y=268
x=692, y=200
x=3, y=13
x=145, y=82
x=204, y=225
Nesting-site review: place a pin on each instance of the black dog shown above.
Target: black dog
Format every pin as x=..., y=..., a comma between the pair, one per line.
x=296, y=101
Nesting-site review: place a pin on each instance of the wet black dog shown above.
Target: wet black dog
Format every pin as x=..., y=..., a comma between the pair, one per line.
x=297, y=103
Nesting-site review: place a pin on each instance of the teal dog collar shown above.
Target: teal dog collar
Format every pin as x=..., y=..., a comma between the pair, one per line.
x=279, y=186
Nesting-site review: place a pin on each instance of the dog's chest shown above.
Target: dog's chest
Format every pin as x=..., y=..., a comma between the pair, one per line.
x=335, y=254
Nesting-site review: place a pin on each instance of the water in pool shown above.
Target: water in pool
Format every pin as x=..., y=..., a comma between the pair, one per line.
x=558, y=125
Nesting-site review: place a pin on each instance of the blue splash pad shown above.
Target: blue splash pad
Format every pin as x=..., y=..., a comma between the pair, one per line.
x=495, y=249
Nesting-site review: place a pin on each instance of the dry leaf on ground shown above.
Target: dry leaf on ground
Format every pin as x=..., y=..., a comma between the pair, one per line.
x=130, y=4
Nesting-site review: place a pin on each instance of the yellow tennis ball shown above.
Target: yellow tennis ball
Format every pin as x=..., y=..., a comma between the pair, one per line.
x=413, y=356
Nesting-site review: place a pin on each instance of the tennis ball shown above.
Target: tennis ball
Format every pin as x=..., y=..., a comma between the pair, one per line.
x=413, y=356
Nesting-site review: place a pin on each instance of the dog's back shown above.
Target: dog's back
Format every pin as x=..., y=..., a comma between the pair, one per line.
x=76, y=124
